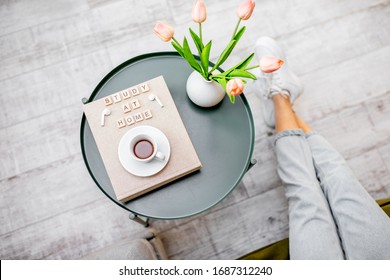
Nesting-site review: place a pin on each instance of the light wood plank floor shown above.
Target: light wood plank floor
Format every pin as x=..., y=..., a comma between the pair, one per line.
x=53, y=53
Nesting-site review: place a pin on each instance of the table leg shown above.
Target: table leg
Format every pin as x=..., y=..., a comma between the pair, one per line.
x=251, y=164
x=136, y=218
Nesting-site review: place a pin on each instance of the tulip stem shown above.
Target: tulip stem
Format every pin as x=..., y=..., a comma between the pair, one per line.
x=253, y=67
x=174, y=39
x=235, y=30
x=200, y=32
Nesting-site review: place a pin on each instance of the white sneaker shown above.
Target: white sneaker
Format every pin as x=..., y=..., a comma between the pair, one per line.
x=286, y=82
x=282, y=81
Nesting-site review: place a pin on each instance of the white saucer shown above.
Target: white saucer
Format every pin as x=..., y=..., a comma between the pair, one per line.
x=143, y=169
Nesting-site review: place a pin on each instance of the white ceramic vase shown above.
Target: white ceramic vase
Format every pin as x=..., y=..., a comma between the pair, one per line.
x=202, y=92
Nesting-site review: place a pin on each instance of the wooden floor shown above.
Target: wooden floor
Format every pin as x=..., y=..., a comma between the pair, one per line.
x=53, y=53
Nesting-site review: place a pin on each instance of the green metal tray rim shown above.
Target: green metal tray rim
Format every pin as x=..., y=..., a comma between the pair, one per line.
x=111, y=74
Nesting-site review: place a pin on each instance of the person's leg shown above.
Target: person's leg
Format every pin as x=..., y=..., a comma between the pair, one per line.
x=303, y=125
x=363, y=227
x=313, y=234
x=284, y=115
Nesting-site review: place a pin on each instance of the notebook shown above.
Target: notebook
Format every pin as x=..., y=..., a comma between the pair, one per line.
x=114, y=118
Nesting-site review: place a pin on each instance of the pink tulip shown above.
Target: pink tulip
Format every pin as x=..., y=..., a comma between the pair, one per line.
x=199, y=14
x=245, y=10
x=269, y=64
x=164, y=31
x=235, y=87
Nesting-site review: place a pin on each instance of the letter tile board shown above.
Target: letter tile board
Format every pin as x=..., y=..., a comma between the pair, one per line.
x=146, y=104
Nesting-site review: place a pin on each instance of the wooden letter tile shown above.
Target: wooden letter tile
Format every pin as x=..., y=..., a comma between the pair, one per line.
x=138, y=117
x=129, y=120
x=121, y=123
x=126, y=108
x=134, y=91
x=148, y=114
x=107, y=100
x=116, y=97
x=144, y=87
x=135, y=104
x=126, y=94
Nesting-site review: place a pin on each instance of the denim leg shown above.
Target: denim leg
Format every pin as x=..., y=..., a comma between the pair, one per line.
x=313, y=233
x=363, y=227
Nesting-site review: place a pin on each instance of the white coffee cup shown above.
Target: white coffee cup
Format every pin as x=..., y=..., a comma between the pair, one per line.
x=144, y=148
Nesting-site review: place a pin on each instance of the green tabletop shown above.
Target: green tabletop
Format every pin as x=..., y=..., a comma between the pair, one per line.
x=223, y=137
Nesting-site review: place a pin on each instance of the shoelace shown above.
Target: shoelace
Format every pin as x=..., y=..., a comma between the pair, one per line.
x=275, y=85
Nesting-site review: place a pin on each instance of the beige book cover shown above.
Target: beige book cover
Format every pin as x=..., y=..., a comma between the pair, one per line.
x=146, y=104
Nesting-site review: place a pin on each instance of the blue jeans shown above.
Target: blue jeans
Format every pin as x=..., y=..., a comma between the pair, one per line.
x=331, y=214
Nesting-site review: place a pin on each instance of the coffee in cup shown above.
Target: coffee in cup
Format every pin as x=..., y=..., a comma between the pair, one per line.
x=143, y=148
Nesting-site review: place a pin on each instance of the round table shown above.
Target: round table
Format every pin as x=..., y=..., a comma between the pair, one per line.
x=223, y=137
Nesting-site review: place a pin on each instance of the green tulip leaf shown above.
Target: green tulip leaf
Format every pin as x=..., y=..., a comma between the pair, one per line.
x=232, y=98
x=197, y=41
x=225, y=54
x=240, y=65
x=239, y=33
x=178, y=48
x=241, y=73
x=221, y=81
x=243, y=64
x=204, y=58
x=190, y=57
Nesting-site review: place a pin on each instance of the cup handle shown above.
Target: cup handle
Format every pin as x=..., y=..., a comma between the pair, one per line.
x=160, y=156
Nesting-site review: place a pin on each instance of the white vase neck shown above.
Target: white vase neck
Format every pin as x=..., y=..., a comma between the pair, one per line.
x=203, y=78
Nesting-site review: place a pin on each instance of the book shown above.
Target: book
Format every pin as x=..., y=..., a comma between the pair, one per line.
x=112, y=118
